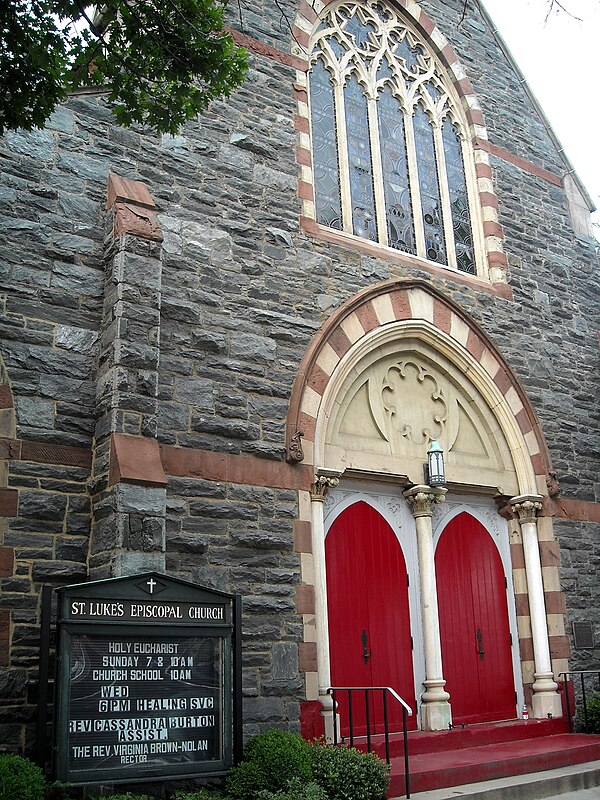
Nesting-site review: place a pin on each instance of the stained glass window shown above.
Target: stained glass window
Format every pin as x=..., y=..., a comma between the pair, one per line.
x=388, y=137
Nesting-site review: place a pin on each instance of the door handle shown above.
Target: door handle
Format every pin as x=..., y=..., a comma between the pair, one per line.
x=480, y=643
x=365, y=641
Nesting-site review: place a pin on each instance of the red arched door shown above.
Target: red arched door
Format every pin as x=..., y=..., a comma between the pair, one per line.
x=474, y=628
x=369, y=620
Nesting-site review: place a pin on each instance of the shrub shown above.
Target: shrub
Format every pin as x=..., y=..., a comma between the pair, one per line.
x=126, y=796
x=295, y=791
x=199, y=794
x=271, y=760
x=593, y=716
x=349, y=774
x=20, y=779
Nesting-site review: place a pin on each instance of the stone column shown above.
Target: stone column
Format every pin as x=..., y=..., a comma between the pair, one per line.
x=323, y=482
x=546, y=699
x=128, y=486
x=436, y=714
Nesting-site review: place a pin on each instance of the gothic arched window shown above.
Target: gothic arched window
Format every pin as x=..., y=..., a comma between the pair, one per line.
x=388, y=137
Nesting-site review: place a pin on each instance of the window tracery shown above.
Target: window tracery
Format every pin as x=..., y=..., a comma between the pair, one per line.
x=389, y=144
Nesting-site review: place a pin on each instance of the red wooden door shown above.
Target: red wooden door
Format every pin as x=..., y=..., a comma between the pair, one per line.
x=369, y=619
x=474, y=627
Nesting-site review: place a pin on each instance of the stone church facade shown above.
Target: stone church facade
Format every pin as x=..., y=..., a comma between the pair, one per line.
x=224, y=356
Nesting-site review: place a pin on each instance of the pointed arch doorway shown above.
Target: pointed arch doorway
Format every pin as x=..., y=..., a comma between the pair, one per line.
x=474, y=623
x=369, y=619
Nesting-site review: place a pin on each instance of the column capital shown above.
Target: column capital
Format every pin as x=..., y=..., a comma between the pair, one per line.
x=526, y=506
x=422, y=499
x=325, y=480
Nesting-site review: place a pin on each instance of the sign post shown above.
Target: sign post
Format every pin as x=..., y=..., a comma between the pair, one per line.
x=144, y=681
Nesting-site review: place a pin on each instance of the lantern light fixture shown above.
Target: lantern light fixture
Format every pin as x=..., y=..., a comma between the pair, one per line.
x=434, y=468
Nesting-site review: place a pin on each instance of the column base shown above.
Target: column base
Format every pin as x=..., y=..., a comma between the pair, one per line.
x=330, y=719
x=546, y=702
x=436, y=716
x=436, y=713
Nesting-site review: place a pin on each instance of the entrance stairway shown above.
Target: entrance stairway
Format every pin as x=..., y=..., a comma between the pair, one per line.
x=485, y=752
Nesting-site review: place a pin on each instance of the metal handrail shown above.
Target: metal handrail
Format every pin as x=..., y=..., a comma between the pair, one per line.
x=385, y=690
x=582, y=673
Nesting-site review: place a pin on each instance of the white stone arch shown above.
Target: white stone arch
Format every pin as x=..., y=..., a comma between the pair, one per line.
x=422, y=332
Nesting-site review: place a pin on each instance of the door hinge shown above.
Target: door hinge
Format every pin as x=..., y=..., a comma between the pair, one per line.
x=505, y=582
x=407, y=579
x=516, y=698
x=412, y=643
x=511, y=639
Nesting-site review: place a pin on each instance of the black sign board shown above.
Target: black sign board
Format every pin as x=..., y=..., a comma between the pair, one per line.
x=144, y=680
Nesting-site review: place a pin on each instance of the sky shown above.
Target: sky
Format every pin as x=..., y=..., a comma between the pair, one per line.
x=560, y=58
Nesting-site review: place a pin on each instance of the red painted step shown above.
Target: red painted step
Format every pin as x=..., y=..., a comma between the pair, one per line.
x=440, y=767
x=469, y=736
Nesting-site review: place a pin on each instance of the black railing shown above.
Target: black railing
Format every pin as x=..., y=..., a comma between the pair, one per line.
x=586, y=685
x=368, y=692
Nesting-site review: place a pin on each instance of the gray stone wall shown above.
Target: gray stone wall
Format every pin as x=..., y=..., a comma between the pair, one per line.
x=580, y=564
x=243, y=293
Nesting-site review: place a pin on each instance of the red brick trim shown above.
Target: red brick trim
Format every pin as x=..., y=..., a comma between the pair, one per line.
x=301, y=124
x=304, y=157
x=45, y=453
x=245, y=469
x=566, y=508
x=549, y=554
x=559, y=647
x=124, y=190
x=9, y=502
x=307, y=656
x=263, y=49
x=135, y=459
x=517, y=556
x=305, y=190
x=555, y=603
x=134, y=209
x=522, y=605
x=302, y=536
x=7, y=562
x=6, y=399
x=517, y=161
x=305, y=599
x=137, y=221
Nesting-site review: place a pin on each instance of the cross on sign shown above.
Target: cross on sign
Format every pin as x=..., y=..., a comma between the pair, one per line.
x=151, y=584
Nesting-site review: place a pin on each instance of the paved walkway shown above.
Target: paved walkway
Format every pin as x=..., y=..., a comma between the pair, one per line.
x=527, y=787
x=581, y=794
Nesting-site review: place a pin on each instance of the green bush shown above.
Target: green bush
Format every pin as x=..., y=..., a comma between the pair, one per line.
x=126, y=796
x=199, y=794
x=271, y=760
x=349, y=774
x=593, y=716
x=295, y=791
x=20, y=779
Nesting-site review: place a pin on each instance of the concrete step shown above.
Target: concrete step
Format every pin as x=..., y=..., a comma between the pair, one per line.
x=468, y=736
x=490, y=761
x=575, y=782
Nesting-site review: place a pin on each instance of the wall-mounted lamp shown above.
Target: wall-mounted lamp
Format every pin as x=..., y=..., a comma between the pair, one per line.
x=434, y=468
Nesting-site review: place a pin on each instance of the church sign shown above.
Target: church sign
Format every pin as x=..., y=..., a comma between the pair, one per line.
x=144, y=680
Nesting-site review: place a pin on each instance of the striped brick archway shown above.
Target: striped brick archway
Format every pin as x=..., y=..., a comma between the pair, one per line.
x=409, y=301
